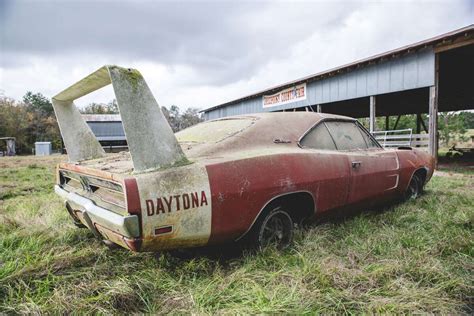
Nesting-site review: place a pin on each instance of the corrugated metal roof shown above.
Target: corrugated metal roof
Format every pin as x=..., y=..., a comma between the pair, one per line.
x=102, y=117
x=437, y=40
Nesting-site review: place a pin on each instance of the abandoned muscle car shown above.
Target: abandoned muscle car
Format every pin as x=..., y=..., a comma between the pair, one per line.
x=246, y=177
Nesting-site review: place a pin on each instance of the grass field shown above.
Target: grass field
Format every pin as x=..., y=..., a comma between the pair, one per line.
x=411, y=258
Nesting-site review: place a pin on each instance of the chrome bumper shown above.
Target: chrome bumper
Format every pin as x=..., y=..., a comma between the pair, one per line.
x=127, y=226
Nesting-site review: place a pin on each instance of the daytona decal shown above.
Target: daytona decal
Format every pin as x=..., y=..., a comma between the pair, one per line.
x=174, y=203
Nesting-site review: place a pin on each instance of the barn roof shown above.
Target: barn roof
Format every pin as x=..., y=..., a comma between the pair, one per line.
x=437, y=41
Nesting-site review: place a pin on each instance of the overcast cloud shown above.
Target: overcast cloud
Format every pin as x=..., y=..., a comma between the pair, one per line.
x=204, y=53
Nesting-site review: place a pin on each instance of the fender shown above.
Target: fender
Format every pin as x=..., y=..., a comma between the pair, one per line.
x=272, y=200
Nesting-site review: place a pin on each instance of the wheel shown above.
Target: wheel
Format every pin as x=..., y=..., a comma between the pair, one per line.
x=275, y=229
x=414, y=188
x=111, y=245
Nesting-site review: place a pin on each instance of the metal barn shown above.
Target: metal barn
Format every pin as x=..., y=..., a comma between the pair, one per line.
x=108, y=130
x=436, y=74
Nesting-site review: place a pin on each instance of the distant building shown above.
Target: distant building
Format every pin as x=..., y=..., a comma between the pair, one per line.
x=108, y=130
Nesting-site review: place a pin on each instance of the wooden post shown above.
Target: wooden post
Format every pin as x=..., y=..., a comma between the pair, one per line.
x=433, y=124
x=433, y=112
x=396, y=122
x=418, y=123
x=372, y=123
x=387, y=122
x=318, y=108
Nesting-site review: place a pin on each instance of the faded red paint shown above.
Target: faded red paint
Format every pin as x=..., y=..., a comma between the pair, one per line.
x=132, y=197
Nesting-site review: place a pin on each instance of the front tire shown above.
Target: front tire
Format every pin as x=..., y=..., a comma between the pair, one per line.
x=274, y=229
x=414, y=189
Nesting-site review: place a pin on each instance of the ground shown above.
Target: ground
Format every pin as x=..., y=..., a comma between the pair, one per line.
x=415, y=257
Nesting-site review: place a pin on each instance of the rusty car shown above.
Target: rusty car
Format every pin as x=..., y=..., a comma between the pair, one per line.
x=249, y=177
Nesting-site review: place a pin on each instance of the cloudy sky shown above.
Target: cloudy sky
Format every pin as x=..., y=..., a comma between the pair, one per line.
x=202, y=53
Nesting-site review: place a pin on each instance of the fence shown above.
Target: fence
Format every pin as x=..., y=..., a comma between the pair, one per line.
x=401, y=137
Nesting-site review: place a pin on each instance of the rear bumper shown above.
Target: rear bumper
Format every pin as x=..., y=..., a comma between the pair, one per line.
x=123, y=230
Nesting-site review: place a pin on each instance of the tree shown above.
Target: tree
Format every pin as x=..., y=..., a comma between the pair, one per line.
x=99, y=108
x=190, y=117
x=450, y=126
x=180, y=121
x=38, y=102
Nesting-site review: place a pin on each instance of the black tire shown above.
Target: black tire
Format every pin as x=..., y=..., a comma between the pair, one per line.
x=415, y=188
x=111, y=245
x=273, y=229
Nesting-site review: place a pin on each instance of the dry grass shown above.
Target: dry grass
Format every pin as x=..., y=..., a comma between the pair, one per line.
x=411, y=258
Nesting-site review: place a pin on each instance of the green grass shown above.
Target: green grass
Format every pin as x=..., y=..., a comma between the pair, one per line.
x=415, y=257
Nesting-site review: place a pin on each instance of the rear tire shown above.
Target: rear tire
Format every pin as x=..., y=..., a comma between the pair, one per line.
x=273, y=229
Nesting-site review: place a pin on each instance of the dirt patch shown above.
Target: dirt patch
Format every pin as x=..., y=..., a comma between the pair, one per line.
x=31, y=161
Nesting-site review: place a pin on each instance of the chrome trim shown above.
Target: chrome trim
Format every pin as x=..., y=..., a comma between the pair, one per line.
x=127, y=226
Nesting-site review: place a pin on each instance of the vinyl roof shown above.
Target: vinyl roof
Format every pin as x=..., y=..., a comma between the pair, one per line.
x=443, y=39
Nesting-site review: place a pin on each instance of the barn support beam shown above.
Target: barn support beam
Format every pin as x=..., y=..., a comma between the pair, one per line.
x=433, y=124
x=372, y=122
x=318, y=108
x=387, y=122
x=396, y=122
x=418, y=123
x=433, y=115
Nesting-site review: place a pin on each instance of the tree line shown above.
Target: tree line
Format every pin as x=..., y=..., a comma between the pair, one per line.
x=32, y=120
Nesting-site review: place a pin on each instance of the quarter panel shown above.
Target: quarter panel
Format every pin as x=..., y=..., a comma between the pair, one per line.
x=178, y=197
x=241, y=188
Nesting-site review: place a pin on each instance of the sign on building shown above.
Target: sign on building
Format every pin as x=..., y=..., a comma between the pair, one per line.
x=289, y=95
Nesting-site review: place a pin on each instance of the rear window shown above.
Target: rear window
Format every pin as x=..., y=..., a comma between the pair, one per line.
x=214, y=131
x=346, y=135
x=318, y=138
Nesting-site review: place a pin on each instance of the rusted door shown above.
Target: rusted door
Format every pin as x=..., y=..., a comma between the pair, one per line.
x=374, y=175
x=374, y=171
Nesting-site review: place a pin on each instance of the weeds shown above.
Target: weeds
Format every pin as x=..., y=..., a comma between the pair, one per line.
x=415, y=257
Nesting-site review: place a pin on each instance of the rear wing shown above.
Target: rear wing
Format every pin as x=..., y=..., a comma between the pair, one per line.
x=150, y=139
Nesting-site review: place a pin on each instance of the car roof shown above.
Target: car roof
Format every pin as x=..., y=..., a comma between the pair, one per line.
x=241, y=132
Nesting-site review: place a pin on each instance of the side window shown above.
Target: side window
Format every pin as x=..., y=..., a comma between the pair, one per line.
x=318, y=138
x=370, y=142
x=346, y=135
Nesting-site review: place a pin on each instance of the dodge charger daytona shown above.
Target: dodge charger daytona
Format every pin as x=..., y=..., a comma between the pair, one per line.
x=249, y=177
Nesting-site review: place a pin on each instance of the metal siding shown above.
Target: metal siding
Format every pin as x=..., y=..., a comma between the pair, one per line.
x=101, y=129
x=412, y=71
x=383, y=77
x=318, y=93
x=372, y=80
x=334, y=88
x=351, y=84
x=326, y=91
x=342, y=84
x=396, y=76
x=361, y=82
x=426, y=68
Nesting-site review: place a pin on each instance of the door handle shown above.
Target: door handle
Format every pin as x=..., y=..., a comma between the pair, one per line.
x=356, y=164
